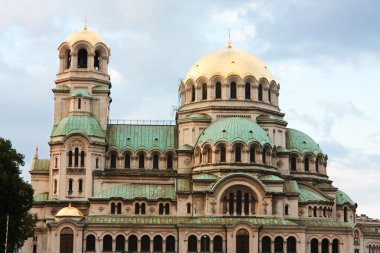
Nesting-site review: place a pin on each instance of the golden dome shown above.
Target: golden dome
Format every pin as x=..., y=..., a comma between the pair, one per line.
x=228, y=62
x=86, y=35
x=69, y=211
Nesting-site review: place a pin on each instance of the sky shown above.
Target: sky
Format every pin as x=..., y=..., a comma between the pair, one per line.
x=325, y=55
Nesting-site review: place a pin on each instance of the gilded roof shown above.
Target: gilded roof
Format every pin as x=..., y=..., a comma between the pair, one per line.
x=69, y=211
x=233, y=129
x=228, y=62
x=300, y=142
x=342, y=198
x=136, y=191
x=85, y=35
x=78, y=124
x=148, y=137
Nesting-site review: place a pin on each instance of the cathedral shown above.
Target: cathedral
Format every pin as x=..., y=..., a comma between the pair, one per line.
x=227, y=176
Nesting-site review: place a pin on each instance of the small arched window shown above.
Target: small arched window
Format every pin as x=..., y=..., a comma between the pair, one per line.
x=55, y=186
x=118, y=208
x=192, y=244
x=315, y=212
x=97, y=60
x=80, y=185
x=204, y=91
x=113, y=161
x=132, y=243
x=205, y=243
x=170, y=244
x=233, y=90
x=266, y=245
x=218, y=244
x=188, y=208
x=167, y=209
x=238, y=154
x=127, y=161
x=90, y=243
x=247, y=89
x=325, y=246
x=269, y=95
x=145, y=244
x=286, y=209
x=143, y=208
x=79, y=103
x=155, y=161
x=107, y=243
x=264, y=156
x=222, y=154
x=70, y=158
x=157, y=243
x=113, y=208
x=82, y=58
x=218, y=90
x=82, y=158
x=314, y=246
x=120, y=243
x=169, y=162
x=56, y=162
x=345, y=216
x=141, y=161
x=161, y=208
x=260, y=93
x=316, y=165
x=68, y=59
x=209, y=155
x=137, y=208
x=335, y=246
x=252, y=155
x=70, y=185
x=306, y=164
x=293, y=163
x=192, y=93
x=76, y=157
x=291, y=245
x=278, y=244
x=97, y=163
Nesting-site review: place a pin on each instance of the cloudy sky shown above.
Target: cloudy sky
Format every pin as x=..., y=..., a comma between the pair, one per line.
x=325, y=55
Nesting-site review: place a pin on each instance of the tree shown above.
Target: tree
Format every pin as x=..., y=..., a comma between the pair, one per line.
x=16, y=199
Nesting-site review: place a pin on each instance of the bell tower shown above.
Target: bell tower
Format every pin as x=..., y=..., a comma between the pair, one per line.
x=81, y=111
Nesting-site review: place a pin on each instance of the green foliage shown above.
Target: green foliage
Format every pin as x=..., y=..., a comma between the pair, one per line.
x=16, y=199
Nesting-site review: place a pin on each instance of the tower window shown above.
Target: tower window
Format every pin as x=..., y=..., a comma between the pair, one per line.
x=169, y=162
x=141, y=161
x=79, y=103
x=260, y=92
x=155, y=161
x=96, y=60
x=192, y=93
x=188, y=208
x=80, y=185
x=270, y=96
x=293, y=163
x=238, y=154
x=56, y=162
x=209, y=155
x=316, y=165
x=252, y=154
x=222, y=154
x=76, y=157
x=286, y=209
x=264, y=156
x=118, y=208
x=218, y=90
x=70, y=185
x=97, y=163
x=70, y=158
x=306, y=164
x=113, y=161
x=68, y=59
x=345, y=216
x=82, y=58
x=82, y=158
x=127, y=161
x=204, y=91
x=55, y=186
x=247, y=89
x=233, y=90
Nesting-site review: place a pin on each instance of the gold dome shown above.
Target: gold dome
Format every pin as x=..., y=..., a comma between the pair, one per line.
x=69, y=211
x=86, y=35
x=228, y=62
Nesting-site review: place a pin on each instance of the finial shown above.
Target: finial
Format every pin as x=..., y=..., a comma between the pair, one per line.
x=229, y=39
x=36, y=153
x=85, y=23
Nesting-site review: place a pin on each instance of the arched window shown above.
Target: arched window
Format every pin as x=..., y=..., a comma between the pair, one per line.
x=242, y=241
x=55, y=186
x=218, y=90
x=345, y=218
x=247, y=89
x=169, y=162
x=218, y=244
x=231, y=203
x=118, y=208
x=205, y=243
x=120, y=243
x=233, y=90
x=80, y=185
x=316, y=165
x=79, y=103
x=306, y=164
x=252, y=154
x=113, y=161
x=204, y=91
x=170, y=244
x=293, y=163
x=137, y=208
x=209, y=155
x=192, y=243
x=238, y=154
x=68, y=59
x=315, y=212
x=188, y=208
x=155, y=161
x=97, y=163
x=82, y=158
x=56, y=162
x=324, y=212
x=127, y=161
x=34, y=248
x=141, y=161
x=291, y=245
x=335, y=246
x=76, y=157
x=260, y=92
x=113, y=208
x=222, y=154
x=132, y=243
x=97, y=60
x=70, y=185
x=145, y=243
x=167, y=208
x=143, y=208
x=266, y=245
x=238, y=203
x=264, y=156
x=66, y=240
x=278, y=244
x=70, y=158
x=161, y=208
x=157, y=244
x=90, y=243
x=82, y=58
x=314, y=246
x=286, y=209
x=192, y=93
x=107, y=243
x=325, y=246
x=246, y=203
x=269, y=95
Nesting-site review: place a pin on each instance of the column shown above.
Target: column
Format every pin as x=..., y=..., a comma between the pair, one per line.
x=199, y=245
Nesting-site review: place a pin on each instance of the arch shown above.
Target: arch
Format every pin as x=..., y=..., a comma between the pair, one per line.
x=204, y=91
x=335, y=246
x=218, y=90
x=205, y=243
x=291, y=245
x=82, y=58
x=170, y=244
x=247, y=90
x=132, y=243
x=325, y=245
x=66, y=240
x=157, y=243
x=218, y=244
x=192, y=244
x=107, y=243
x=233, y=89
x=314, y=246
x=242, y=241
x=145, y=243
x=279, y=244
x=120, y=243
x=266, y=244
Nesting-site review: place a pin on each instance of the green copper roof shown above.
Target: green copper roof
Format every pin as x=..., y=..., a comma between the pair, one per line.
x=183, y=185
x=271, y=119
x=63, y=89
x=41, y=165
x=100, y=88
x=291, y=187
x=185, y=147
x=233, y=129
x=78, y=125
x=133, y=191
x=195, y=117
x=342, y=198
x=271, y=178
x=308, y=195
x=301, y=142
x=323, y=223
x=136, y=137
x=41, y=197
x=82, y=93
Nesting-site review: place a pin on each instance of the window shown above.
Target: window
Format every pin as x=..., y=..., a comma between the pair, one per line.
x=260, y=92
x=141, y=161
x=218, y=90
x=238, y=203
x=293, y=163
x=269, y=96
x=120, y=243
x=192, y=243
x=315, y=212
x=266, y=245
x=90, y=243
x=113, y=206
x=218, y=244
x=82, y=58
x=205, y=243
x=80, y=185
x=192, y=93
x=97, y=62
x=127, y=161
x=306, y=164
x=291, y=245
x=55, y=186
x=79, y=103
x=314, y=246
x=286, y=209
x=145, y=243
x=209, y=155
x=157, y=244
x=82, y=159
x=246, y=203
x=118, y=208
x=97, y=163
x=316, y=165
x=238, y=154
x=107, y=243
x=169, y=162
x=56, y=162
x=70, y=185
x=325, y=246
x=132, y=243
x=76, y=157
x=188, y=208
x=204, y=91
x=345, y=214
x=68, y=59
x=70, y=158
x=170, y=244
x=155, y=161
x=252, y=155
x=335, y=246
x=222, y=154
x=231, y=203
x=247, y=89
x=34, y=248
x=167, y=208
x=233, y=90
x=278, y=244
x=161, y=208
x=113, y=161
x=264, y=156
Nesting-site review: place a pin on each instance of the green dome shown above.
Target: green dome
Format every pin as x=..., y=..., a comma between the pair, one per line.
x=82, y=93
x=342, y=198
x=78, y=124
x=300, y=142
x=233, y=129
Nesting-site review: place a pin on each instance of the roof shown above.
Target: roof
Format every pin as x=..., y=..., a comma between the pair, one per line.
x=323, y=223
x=271, y=178
x=40, y=197
x=148, y=137
x=135, y=191
x=271, y=119
x=79, y=124
x=86, y=35
x=183, y=185
x=308, y=195
x=226, y=62
x=300, y=142
x=81, y=92
x=200, y=117
x=41, y=165
x=291, y=187
x=233, y=129
x=206, y=177
x=69, y=211
x=342, y=198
